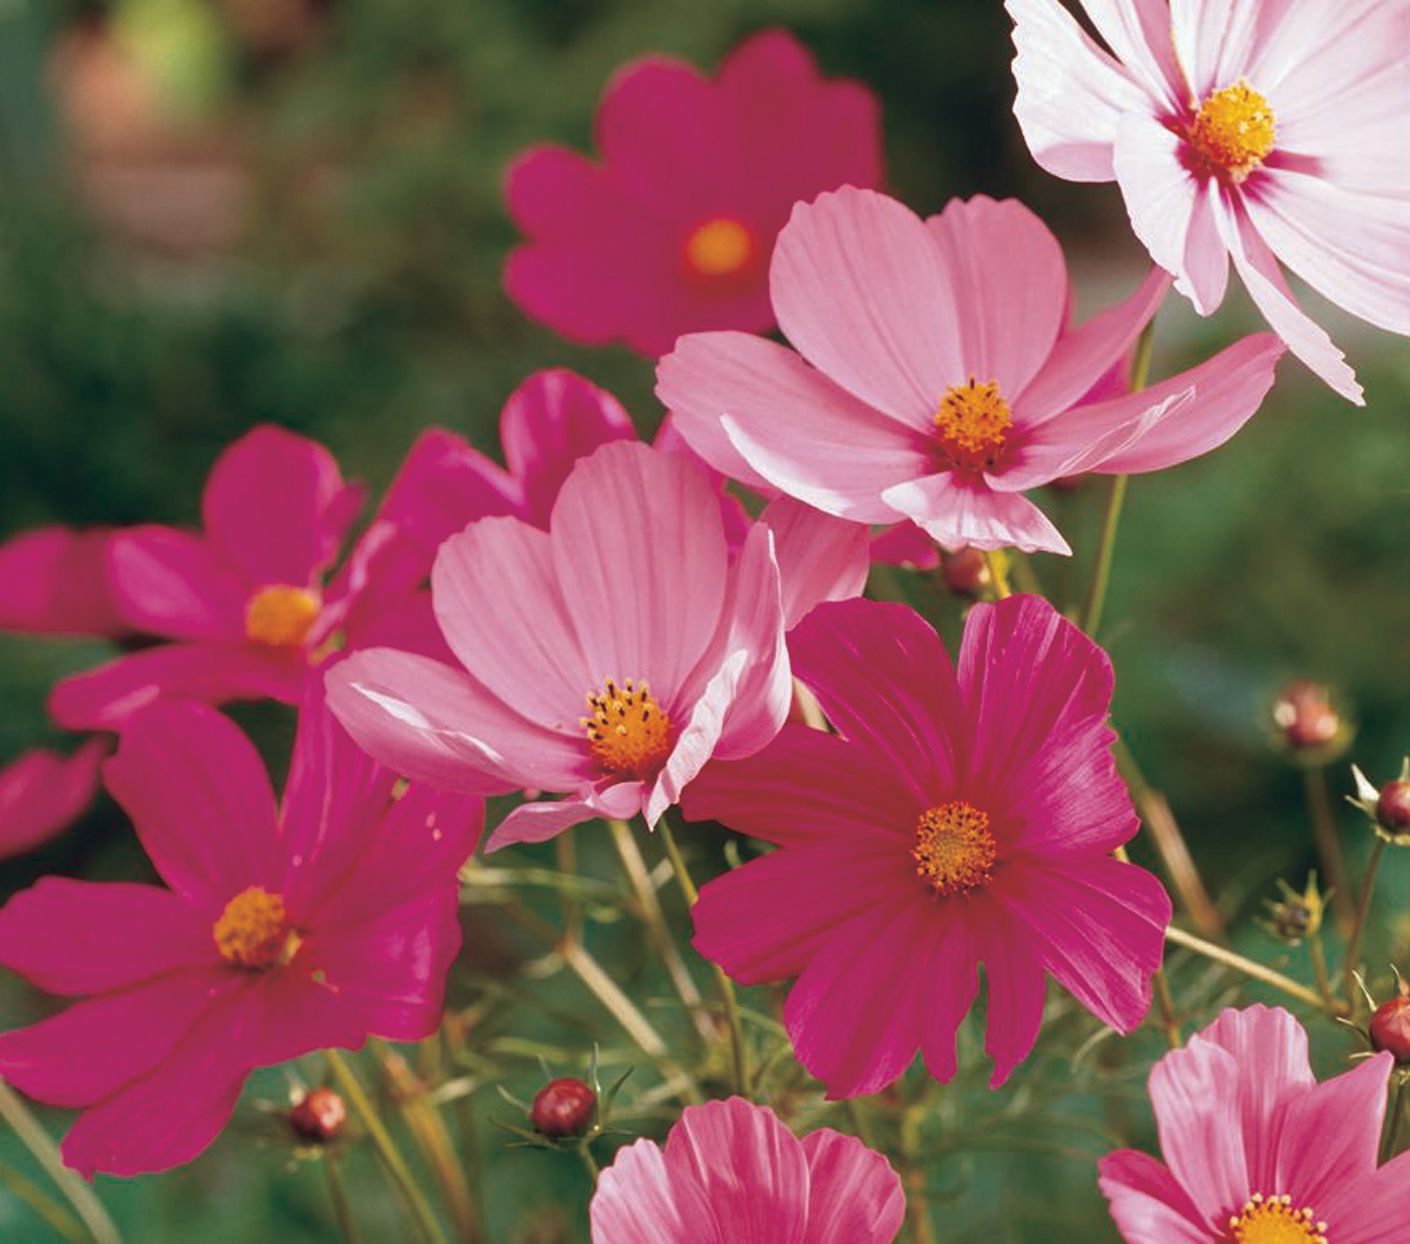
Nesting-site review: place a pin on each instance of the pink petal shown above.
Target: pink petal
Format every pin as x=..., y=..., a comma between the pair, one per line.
x=701, y=735
x=959, y=511
x=275, y=507
x=53, y=581
x=819, y=557
x=905, y=544
x=1373, y=1209
x=1138, y=32
x=642, y=1200
x=854, y=1197
x=760, y=414
x=199, y=797
x=172, y=583
x=1147, y=1205
x=43, y=793
x=863, y=293
x=1205, y=272
x=540, y=820
x=80, y=937
x=1009, y=282
x=1215, y=39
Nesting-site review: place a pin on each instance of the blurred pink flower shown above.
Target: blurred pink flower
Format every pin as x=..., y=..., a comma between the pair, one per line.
x=936, y=379
x=609, y=657
x=54, y=581
x=961, y=817
x=671, y=232
x=732, y=1173
x=43, y=793
x=1265, y=131
x=1256, y=1150
x=284, y=931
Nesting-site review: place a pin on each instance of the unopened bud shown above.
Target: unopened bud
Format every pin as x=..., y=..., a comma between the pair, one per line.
x=319, y=1116
x=563, y=1108
x=1296, y=916
x=1388, y=807
x=1393, y=806
x=966, y=572
x=1308, y=721
x=1390, y=1028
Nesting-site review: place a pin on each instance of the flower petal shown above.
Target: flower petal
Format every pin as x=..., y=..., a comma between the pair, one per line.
x=1147, y=1205
x=642, y=1200
x=43, y=793
x=855, y=1196
x=540, y=820
x=961, y=512
x=173, y=583
x=54, y=581
x=819, y=557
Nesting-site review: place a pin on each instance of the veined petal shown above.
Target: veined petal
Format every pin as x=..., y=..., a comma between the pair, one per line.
x=959, y=512
x=854, y=1195
x=1147, y=1205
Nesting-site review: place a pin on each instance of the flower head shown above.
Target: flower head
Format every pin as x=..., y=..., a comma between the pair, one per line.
x=960, y=816
x=284, y=930
x=936, y=378
x=671, y=233
x=1256, y=1151
x=1269, y=136
x=732, y=1173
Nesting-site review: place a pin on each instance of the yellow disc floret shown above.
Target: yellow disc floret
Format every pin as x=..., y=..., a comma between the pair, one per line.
x=973, y=423
x=281, y=616
x=254, y=930
x=628, y=733
x=1273, y=1220
x=1233, y=132
x=954, y=851
x=721, y=247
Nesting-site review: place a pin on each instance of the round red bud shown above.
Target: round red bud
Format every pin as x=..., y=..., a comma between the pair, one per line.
x=319, y=1116
x=1393, y=806
x=563, y=1108
x=1390, y=1028
x=1304, y=713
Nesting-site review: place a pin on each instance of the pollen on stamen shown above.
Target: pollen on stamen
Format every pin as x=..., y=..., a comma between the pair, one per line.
x=254, y=931
x=719, y=248
x=1233, y=132
x=281, y=615
x=629, y=734
x=972, y=423
x=954, y=851
x=1273, y=1220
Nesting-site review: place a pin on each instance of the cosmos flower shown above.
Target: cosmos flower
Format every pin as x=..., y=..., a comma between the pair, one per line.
x=284, y=930
x=960, y=816
x=936, y=378
x=1264, y=131
x=42, y=793
x=732, y=1173
x=671, y=232
x=1256, y=1151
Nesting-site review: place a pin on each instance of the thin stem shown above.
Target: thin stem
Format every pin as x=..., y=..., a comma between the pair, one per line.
x=24, y=1189
x=589, y=1162
x=41, y=1145
x=1397, y=1117
x=1321, y=976
x=351, y=1088
x=739, y=1052
x=337, y=1194
x=998, y=572
x=1325, y=839
x=913, y=1177
x=1358, y=927
x=1165, y=1003
x=1248, y=967
x=566, y=859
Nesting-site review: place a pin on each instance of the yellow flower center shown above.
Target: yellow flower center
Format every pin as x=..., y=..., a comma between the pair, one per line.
x=281, y=616
x=628, y=733
x=720, y=247
x=1272, y=1220
x=1233, y=131
x=954, y=850
x=254, y=931
x=973, y=423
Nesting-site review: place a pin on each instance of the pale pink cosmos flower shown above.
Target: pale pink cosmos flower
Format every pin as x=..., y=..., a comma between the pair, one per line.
x=732, y=1173
x=42, y=793
x=285, y=930
x=607, y=658
x=937, y=379
x=960, y=816
x=671, y=232
x=1264, y=131
x=1256, y=1151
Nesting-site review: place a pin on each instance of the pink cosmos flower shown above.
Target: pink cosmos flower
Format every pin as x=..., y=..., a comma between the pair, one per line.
x=1266, y=131
x=54, y=581
x=285, y=930
x=1256, y=1150
x=43, y=793
x=936, y=379
x=671, y=232
x=607, y=658
x=962, y=816
x=732, y=1173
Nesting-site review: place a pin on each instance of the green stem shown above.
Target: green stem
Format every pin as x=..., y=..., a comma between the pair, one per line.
x=1358, y=928
x=1324, y=838
x=337, y=1194
x=589, y=1161
x=998, y=572
x=565, y=857
x=1397, y=1116
x=41, y=1145
x=351, y=1088
x=1165, y=1003
x=1255, y=971
x=1321, y=976
x=24, y=1189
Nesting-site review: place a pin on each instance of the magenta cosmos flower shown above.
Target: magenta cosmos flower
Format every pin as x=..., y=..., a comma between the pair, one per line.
x=936, y=379
x=1265, y=131
x=284, y=930
x=671, y=232
x=607, y=658
x=961, y=816
x=43, y=793
x=732, y=1173
x=1256, y=1151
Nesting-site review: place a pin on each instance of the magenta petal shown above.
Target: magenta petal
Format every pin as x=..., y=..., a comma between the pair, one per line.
x=948, y=986
x=1147, y=1205
x=43, y=793
x=169, y=582
x=819, y=557
x=54, y=581
x=960, y=512
x=642, y=1200
x=1015, y=992
x=198, y=794
x=854, y=1195
x=79, y=937
x=905, y=544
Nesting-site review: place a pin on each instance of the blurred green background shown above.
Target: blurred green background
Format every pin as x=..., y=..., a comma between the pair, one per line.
x=213, y=214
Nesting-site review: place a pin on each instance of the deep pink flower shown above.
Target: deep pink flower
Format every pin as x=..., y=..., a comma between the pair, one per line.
x=1266, y=131
x=284, y=931
x=671, y=232
x=53, y=581
x=43, y=793
x=962, y=816
x=607, y=658
x=732, y=1173
x=1256, y=1150
x=936, y=379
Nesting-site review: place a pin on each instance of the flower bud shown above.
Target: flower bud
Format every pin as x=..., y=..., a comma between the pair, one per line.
x=1390, y=1028
x=1296, y=916
x=1303, y=712
x=966, y=573
x=1393, y=806
x=563, y=1108
x=319, y=1116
